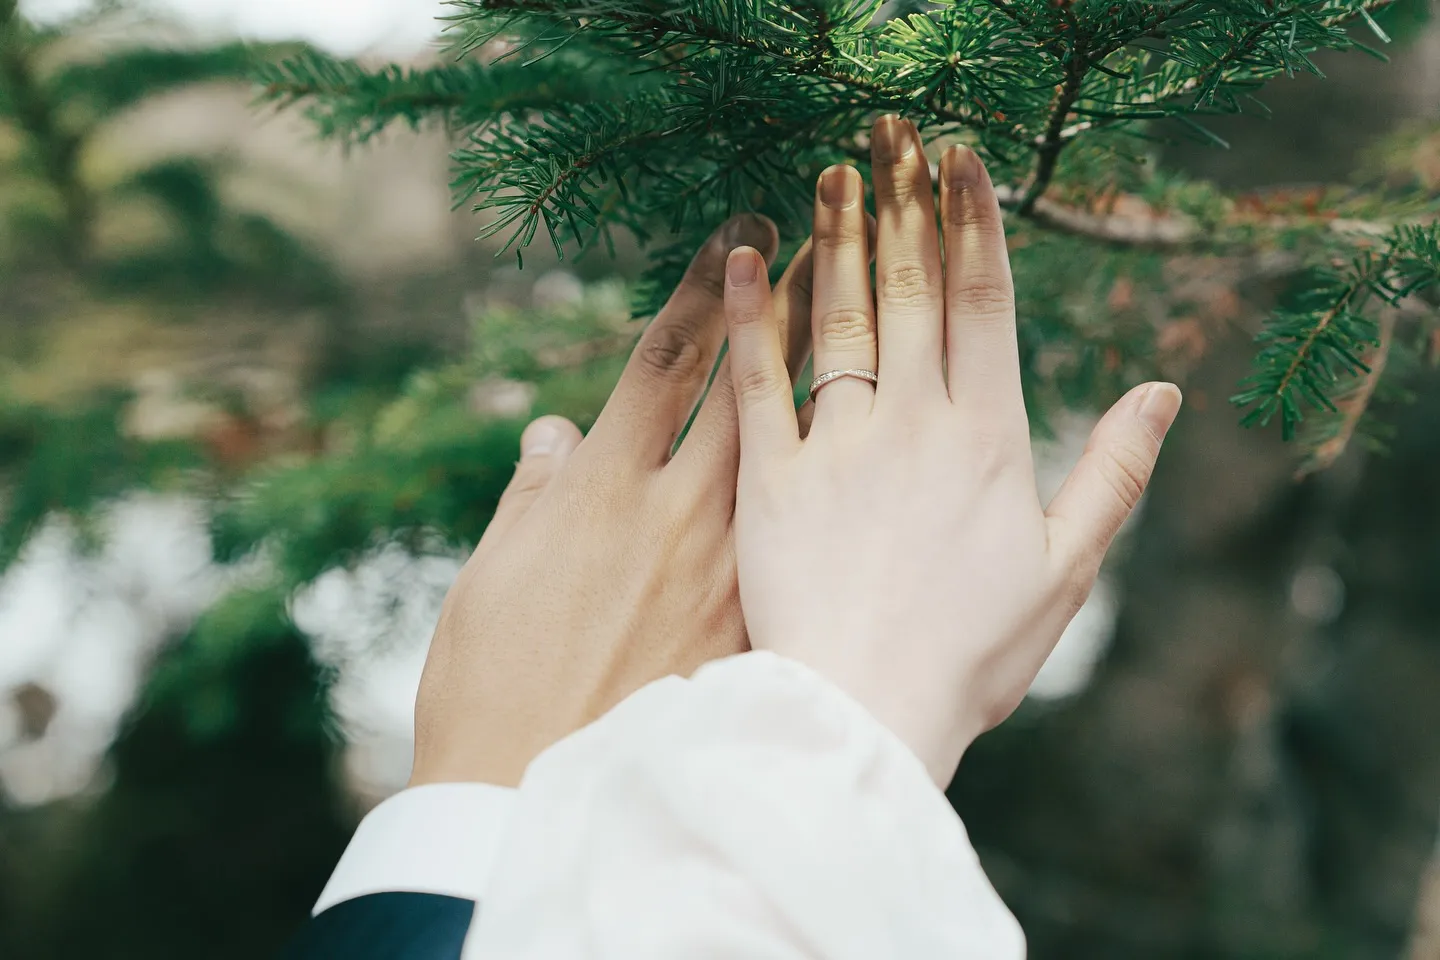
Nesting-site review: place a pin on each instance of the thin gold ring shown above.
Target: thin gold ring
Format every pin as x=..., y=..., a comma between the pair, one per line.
x=869, y=376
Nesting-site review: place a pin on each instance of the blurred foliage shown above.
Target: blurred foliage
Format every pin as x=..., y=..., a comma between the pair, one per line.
x=59, y=93
x=212, y=247
x=426, y=469
x=221, y=813
x=225, y=812
x=1315, y=343
x=62, y=87
x=224, y=815
x=63, y=462
x=359, y=102
x=435, y=487
x=714, y=107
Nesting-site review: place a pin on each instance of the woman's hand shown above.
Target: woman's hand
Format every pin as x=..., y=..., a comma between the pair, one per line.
x=900, y=549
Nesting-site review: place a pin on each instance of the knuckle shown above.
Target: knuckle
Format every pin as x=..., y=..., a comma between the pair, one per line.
x=903, y=184
x=1127, y=470
x=672, y=351
x=755, y=383
x=706, y=278
x=975, y=217
x=846, y=326
x=839, y=239
x=987, y=295
x=749, y=315
x=527, y=480
x=907, y=284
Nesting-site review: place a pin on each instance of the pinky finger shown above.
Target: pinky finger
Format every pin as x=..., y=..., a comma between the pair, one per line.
x=757, y=358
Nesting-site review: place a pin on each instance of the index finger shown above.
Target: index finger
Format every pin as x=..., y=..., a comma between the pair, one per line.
x=712, y=447
x=668, y=370
x=981, y=350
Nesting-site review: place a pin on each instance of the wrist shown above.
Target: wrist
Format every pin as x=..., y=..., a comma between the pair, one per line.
x=436, y=764
x=925, y=717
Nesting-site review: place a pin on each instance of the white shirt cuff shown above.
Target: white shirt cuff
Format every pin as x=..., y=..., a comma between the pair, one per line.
x=752, y=811
x=439, y=838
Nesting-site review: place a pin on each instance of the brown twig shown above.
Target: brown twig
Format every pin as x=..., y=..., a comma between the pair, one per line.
x=1354, y=403
x=1056, y=137
x=1157, y=229
x=1122, y=230
x=1053, y=141
x=1302, y=353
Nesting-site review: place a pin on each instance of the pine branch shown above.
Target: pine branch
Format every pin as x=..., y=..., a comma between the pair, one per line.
x=646, y=30
x=734, y=104
x=1355, y=402
x=1308, y=350
x=123, y=78
x=1081, y=60
x=1053, y=141
x=1147, y=226
x=1158, y=231
x=535, y=176
x=1304, y=355
x=962, y=65
x=351, y=103
x=1014, y=12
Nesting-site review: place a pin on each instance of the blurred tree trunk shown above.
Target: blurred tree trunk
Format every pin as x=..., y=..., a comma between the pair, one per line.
x=1253, y=771
x=222, y=820
x=1425, y=941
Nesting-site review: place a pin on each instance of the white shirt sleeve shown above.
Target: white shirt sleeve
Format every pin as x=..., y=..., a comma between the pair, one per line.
x=439, y=838
x=753, y=811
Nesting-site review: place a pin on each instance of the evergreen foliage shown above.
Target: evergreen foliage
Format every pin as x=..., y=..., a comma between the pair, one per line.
x=593, y=120
x=714, y=106
x=223, y=794
x=231, y=757
x=1316, y=343
x=61, y=91
x=57, y=98
x=63, y=462
x=425, y=470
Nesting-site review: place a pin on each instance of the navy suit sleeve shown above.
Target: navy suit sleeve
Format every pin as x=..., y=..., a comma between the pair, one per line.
x=386, y=926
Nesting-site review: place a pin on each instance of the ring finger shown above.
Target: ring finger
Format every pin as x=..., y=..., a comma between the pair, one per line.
x=843, y=313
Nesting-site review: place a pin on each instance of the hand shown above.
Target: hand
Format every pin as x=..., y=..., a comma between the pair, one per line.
x=900, y=549
x=609, y=562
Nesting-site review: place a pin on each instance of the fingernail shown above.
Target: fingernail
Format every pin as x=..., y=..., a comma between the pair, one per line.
x=540, y=439
x=837, y=187
x=745, y=230
x=894, y=139
x=1159, y=406
x=740, y=268
x=960, y=167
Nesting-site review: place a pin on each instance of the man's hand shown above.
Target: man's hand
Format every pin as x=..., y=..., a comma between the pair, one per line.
x=900, y=549
x=610, y=562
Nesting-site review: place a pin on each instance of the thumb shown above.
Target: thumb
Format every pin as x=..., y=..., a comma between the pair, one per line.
x=545, y=446
x=1113, y=472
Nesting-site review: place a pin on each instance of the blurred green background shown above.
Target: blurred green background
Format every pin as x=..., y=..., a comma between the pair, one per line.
x=258, y=394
